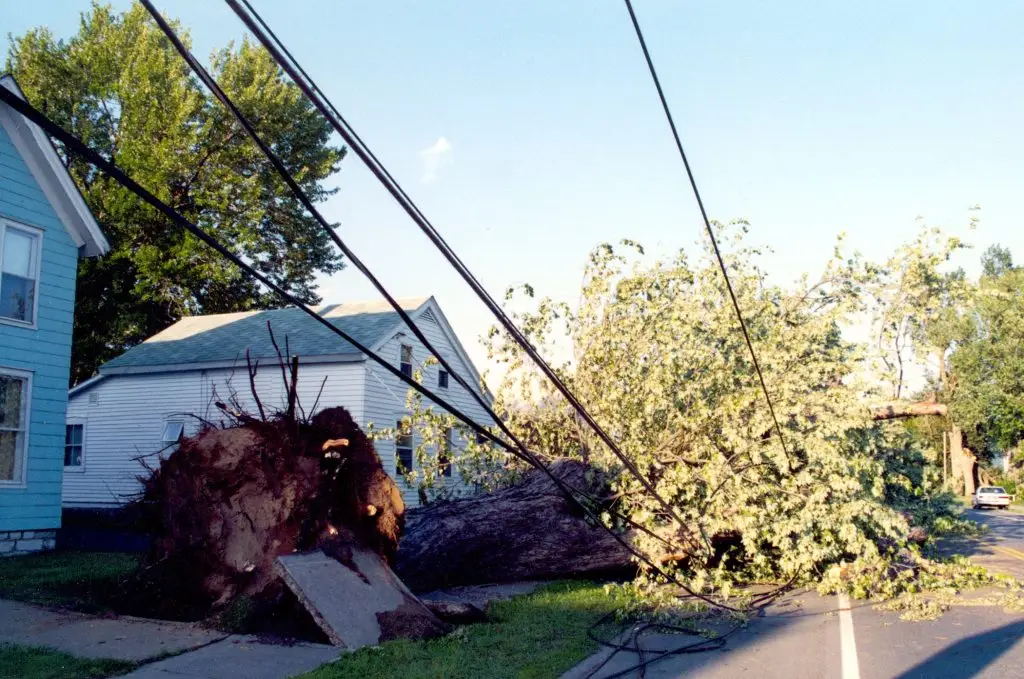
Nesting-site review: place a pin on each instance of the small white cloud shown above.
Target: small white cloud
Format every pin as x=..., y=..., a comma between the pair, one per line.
x=438, y=155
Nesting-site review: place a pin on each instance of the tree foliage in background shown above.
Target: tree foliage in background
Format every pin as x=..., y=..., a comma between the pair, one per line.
x=119, y=85
x=988, y=363
x=918, y=308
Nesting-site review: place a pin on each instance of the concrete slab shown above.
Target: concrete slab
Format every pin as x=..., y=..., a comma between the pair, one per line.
x=86, y=636
x=240, y=656
x=355, y=598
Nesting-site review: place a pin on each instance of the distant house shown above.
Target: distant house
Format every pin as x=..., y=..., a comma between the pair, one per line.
x=45, y=226
x=149, y=397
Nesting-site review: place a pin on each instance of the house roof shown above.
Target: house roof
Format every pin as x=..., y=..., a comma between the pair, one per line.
x=39, y=153
x=221, y=340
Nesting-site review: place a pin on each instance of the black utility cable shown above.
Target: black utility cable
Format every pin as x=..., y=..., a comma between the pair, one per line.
x=76, y=146
x=344, y=130
x=275, y=160
x=325, y=226
x=707, y=225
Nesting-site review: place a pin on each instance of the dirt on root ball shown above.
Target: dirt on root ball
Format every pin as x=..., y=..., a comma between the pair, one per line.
x=229, y=501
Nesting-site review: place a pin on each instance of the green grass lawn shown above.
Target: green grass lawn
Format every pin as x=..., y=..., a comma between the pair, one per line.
x=34, y=662
x=85, y=581
x=538, y=635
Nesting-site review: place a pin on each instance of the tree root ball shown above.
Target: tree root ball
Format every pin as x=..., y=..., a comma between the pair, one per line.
x=229, y=501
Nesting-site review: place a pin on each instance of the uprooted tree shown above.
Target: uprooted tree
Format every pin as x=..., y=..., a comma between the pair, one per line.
x=231, y=499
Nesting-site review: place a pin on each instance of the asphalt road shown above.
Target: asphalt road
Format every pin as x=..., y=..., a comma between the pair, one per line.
x=1002, y=548
x=809, y=636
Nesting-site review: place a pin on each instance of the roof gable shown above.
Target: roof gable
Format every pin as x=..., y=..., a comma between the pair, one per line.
x=46, y=167
x=221, y=340
x=431, y=311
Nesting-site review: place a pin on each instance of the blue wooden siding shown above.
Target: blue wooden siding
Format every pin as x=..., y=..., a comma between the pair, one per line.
x=44, y=350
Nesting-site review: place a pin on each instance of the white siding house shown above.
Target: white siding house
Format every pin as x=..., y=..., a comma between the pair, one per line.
x=141, y=400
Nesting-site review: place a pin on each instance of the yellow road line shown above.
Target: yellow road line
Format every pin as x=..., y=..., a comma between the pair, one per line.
x=1010, y=551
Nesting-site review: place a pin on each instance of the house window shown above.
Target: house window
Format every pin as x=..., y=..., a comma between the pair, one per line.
x=403, y=447
x=444, y=460
x=442, y=379
x=174, y=431
x=406, y=360
x=15, y=387
x=19, y=272
x=74, y=444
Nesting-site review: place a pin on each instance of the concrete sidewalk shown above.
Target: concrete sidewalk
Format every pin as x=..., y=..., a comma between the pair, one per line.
x=89, y=636
x=197, y=652
x=240, y=656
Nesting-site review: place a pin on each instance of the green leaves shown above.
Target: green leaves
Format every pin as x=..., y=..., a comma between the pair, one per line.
x=119, y=85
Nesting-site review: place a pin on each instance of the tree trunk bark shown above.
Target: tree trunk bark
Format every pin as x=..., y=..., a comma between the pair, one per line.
x=962, y=462
x=529, y=531
x=894, y=411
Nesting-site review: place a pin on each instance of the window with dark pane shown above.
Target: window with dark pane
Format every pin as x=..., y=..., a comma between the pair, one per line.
x=13, y=409
x=442, y=379
x=19, y=273
x=444, y=459
x=403, y=447
x=74, y=444
x=405, y=364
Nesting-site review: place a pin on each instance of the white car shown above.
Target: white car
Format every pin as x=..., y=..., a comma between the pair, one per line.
x=991, y=496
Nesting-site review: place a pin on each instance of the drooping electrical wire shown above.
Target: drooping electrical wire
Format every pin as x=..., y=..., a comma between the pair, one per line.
x=710, y=230
x=256, y=25
x=520, y=448
x=76, y=146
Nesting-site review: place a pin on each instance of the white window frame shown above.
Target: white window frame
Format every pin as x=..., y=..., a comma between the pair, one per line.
x=401, y=359
x=411, y=447
x=27, y=376
x=75, y=422
x=37, y=233
x=168, y=446
x=446, y=450
x=447, y=378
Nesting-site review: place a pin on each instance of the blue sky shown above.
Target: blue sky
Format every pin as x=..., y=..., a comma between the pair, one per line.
x=806, y=118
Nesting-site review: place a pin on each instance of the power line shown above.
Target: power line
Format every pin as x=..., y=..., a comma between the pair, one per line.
x=707, y=225
x=256, y=25
x=289, y=179
x=76, y=146
x=521, y=449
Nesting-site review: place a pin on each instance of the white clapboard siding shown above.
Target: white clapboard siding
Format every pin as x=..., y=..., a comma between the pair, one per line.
x=385, y=393
x=124, y=417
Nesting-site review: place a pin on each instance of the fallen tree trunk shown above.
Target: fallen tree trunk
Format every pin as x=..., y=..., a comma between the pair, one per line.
x=894, y=411
x=529, y=531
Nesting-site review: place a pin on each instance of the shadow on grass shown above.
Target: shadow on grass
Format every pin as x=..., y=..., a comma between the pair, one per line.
x=83, y=581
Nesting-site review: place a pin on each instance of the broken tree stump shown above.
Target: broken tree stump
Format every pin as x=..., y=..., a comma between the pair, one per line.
x=529, y=531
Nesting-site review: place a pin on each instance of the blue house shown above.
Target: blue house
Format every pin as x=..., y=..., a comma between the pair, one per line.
x=45, y=226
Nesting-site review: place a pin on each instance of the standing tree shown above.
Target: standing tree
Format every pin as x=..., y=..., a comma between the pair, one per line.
x=119, y=85
x=988, y=365
x=920, y=313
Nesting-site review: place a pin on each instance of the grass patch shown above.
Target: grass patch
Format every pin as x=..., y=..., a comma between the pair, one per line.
x=538, y=635
x=35, y=662
x=85, y=581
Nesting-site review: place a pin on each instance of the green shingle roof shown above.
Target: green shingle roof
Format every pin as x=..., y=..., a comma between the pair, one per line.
x=224, y=338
